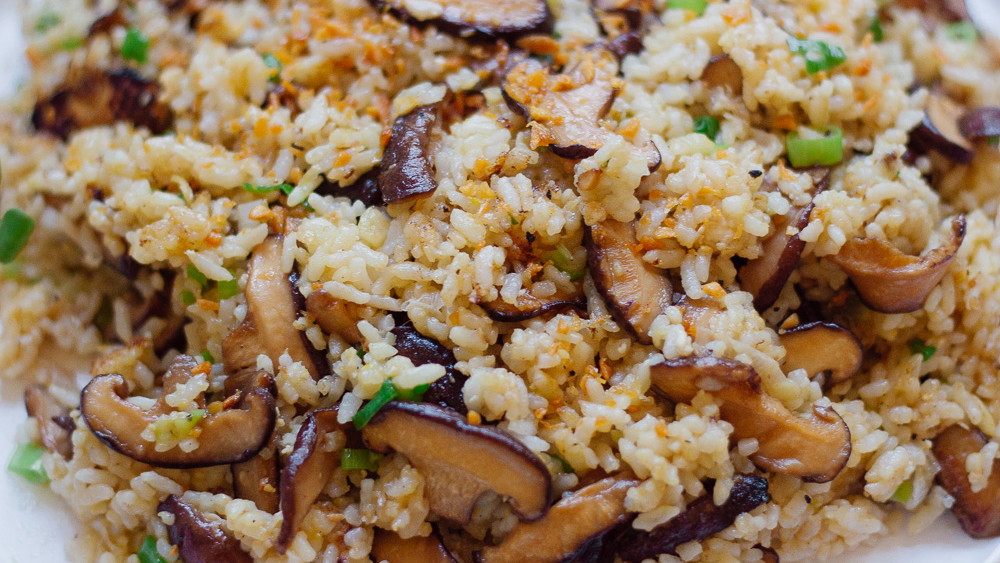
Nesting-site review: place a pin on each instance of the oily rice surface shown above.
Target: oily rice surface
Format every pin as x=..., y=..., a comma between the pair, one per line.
x=265, y=93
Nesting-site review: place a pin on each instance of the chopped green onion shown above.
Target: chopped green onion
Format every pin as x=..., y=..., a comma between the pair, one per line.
x=876, y=30
x=903, y=492
x=27, y=462
x=196, y=275
x=207, y=356
x=148, y=553
x=359, y=459
x=71, y=44
x=707, y=126
x=385, y=394
x=135, y=47
x=826, y=150
x=819, y=55
x=228, y=288
x=15, y=230
x=188, y=298
x=414, y=395
x=271, y=61
x=254, y=189
x=961, y=31
x=563, y=261
x=513, y=220
x=360, y=352
x=171, y=428
x=918, y=346
x=47, y=21
x=696, y=6
x=566, y=467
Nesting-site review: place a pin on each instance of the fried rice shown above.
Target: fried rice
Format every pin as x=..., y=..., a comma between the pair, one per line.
x=344, y=280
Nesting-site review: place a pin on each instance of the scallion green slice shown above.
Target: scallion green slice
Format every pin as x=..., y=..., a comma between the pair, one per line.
x=196, y=275
x=918, y=346
x=255, y=189
x=385, y=394
x=16, y=227
x=707, y=126
x=207, y=356
x=961, y=31
x=359, y=459
x=825, y=151
x=563, y=261
x=135, y=47
x=903, y=492
x=27, y=462
x=876, y=30
x=228, y=288
x=696, y=6
x=188, y=298
x=414, y=395
x=819, y=55
x=271, y=61
x=148, y=553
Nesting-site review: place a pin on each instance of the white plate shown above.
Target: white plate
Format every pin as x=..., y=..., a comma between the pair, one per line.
x=36, y=524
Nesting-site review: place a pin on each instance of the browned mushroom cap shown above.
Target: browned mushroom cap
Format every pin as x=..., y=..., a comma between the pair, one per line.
x=388, y=546
x=889, y=281
x=939, y=130
x=483, y=18
x=578, y=523
x=813, y=448
x=445, y=391
x=257, y=478
x=528, y=306
x=820, y=347
x=946, y=10
x=102, y=98
x=564, y=109
x=977, y=512
x=307, y=471
x=364, y=189
x=723, y=72
x=335, y=316
x=407, y=171
x=624, y=22
x=54, y=424
x=461, y=461
x=981, y=122
x=272, y=309
x=701, y=519
x=634, y=291
x=768, y=555
x=232, y=435
x=197, y=539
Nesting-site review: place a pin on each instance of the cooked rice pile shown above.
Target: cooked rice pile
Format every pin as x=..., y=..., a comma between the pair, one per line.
x=163, y=207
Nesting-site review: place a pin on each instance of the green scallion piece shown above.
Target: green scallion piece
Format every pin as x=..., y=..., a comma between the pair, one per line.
x=196, y=275
x=271, y=61
x=566, y=467
x=918, y=346
x=876, y=30
x=359, y=459
x=47, y=21
x=228, y=288
x=135, y=47
x=71, y=44
x=707, y=126
x=819, y=55
x=513, y=220
x=255, y=189
x=361, y=353
x=148, y=553
x=903, y=492
x=825, y=151
x=696, y=6
x=563, y=261
x=414, y=395
x=188, y=298
x=385, y=394
x=961, y=31
x=27, y=462
x=207, y=356
x=16, y=227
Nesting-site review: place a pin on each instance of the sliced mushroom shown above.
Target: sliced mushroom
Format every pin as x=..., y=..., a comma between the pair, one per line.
x=388, y=546
x=945, y=10
x=108, y=22
x=723, y=72
x=445, y=391
x=813, y=448
x=700, y=520
x=54, y=424
x=268, y=327
x=235, y=434
x=768, y=555
x=634, y=291
x=821, y=347
x=102, y=98
x=978, y=512
x=461, y=461
x=576, y=525
x=483, y=18
x=939, y=130
x=257, y=478
x=528, y=306
x=199, y=540
x=308, y=469
x=980, y=123
x=564, y=109
x=335, y=316
x=364, y=189
x=407, y=171
x=624, y=22
x=889, y=281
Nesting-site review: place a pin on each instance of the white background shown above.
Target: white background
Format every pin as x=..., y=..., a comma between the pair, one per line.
x=35, y=523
